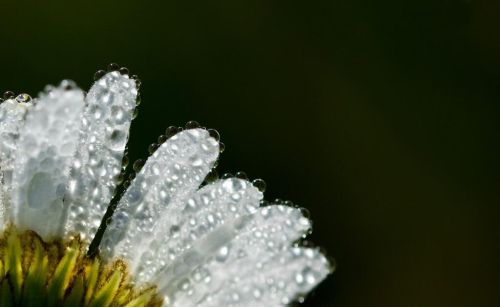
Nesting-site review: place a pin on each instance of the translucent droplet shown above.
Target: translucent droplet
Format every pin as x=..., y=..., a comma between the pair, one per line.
x=214, y=133
x=124, y=71
x=118, y=114
x=241, y=175
x=152, y=148
x=222, y=254
x=8, y=95
x=99, y=74
x=138, y=164
x=227, y=176
x=113, y=67
x=23, y=98
x=171, y=131
x=118, y=140
x=260, y=185
x=161, y=139
x=192, y=124
x=125, y=161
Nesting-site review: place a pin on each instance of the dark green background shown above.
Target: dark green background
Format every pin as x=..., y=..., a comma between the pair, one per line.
x=381, y=117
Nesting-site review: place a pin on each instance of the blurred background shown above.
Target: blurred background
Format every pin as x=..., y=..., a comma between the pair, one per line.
x=380, y=117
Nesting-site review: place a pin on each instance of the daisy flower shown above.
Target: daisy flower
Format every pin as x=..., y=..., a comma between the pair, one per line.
x=75, y=233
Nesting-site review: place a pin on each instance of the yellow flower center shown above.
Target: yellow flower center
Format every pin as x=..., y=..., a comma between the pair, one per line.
x=58, y=273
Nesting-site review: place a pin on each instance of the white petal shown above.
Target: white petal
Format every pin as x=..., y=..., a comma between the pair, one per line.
x=189, y=235
x=47, y=143
x=12, y=115
x=277, y=281
x=167, y=179
x=103, y=136
x=266, y=235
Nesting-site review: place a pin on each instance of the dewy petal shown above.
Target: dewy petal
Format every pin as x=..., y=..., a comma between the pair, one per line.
x=268, y=233
x=47, y=143
x=277, y=281
x=191, y=234
x=97, y=162
x=167, y=179
x=12, y=115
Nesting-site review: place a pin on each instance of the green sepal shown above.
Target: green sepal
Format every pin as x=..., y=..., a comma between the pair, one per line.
x=142, y=299
x=75, y=297
x=105, y=295
x=91, y=275
x=6, y=297
x=62, y=276
x=13, y=266
x=35, y=285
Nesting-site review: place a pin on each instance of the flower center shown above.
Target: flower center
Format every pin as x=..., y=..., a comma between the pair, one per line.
x=57, y=273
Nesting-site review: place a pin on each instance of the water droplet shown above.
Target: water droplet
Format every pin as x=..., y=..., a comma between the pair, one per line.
x=222, y=147
x=8, y=95
x=162, y=138
x=119, y=179
x=192, y=124
x=138, y=100
x=222, y=254
x=99, y=74
x=138, y=164
x=260, y=185
x=126, y=184
x=305, y=212
x=331, y=262
x=118, y=140
x=118, y=114
x=113, y=67
x=138, y=82
x=124, y=71
x=214, y=133
x=227, y=176
x=309, y=275
x=174, y=231
x=23, y=98
x=131, y=176
x=241, y=175
x=68, y=85
x=152, y=148
x=257, y=293
x=125, y=161
x=171, y=131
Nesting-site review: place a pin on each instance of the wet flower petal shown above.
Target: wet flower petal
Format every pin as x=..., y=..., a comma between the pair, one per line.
x=12, y=115
x=275, y=281
x=265, y=235
x=192, y=234
x=167, y=179
x=47, y=142
x=97, y=163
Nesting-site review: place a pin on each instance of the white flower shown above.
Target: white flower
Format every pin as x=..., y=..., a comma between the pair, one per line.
x=60, y=157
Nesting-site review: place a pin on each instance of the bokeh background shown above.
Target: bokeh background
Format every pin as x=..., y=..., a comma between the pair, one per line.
x=380, y=117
